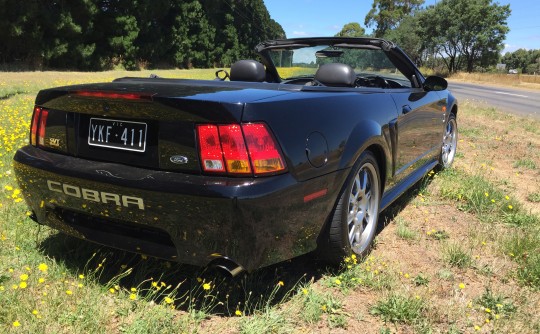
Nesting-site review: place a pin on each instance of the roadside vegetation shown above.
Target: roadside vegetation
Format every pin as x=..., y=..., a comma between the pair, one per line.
x=460, y=253
x=527, y=81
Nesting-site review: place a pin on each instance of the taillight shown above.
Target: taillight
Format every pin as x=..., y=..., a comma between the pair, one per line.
x=210, y=148
x=263, y=151
x=34, y=127
x=114, y=95
x=239, y=149
x=234, y=149
x=39, y=124
x=42, y=126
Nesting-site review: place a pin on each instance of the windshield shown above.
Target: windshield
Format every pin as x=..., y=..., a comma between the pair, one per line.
x=305, y=61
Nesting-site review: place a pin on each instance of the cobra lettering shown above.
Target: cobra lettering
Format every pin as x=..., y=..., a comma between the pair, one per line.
x=94, y=195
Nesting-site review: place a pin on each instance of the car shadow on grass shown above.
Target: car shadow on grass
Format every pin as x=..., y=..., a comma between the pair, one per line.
x=192, y=288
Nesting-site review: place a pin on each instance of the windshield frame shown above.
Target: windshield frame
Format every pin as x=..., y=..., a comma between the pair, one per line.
x=395, y=55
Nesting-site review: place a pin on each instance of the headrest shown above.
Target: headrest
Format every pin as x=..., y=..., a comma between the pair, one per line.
x=247, y=70
x=336, y=75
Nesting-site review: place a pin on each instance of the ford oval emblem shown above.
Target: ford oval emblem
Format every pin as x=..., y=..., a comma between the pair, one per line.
x=179, y=159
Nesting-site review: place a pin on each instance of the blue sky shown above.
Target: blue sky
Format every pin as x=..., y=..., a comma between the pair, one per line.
x=325, y=18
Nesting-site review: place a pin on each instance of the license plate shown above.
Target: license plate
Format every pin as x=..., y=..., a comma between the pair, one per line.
x=120, y=135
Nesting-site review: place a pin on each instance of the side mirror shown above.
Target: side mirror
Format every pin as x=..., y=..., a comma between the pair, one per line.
x=434, y=83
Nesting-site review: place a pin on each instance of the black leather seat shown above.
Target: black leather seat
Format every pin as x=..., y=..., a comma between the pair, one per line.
x=336, y=75
x=247, y=70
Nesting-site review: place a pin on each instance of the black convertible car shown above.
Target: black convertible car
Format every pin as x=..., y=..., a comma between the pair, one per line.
x=295, y=153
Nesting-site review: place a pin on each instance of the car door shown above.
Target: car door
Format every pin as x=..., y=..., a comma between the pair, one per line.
x=419, y=128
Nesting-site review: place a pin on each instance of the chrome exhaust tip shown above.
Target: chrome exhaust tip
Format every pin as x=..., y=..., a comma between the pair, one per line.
x=227, y=265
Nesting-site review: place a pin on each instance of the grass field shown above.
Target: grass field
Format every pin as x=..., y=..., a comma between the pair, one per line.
x=526, y=81
x=460, y=253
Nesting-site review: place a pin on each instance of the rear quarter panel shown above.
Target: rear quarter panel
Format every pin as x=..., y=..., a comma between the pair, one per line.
x=349, y=121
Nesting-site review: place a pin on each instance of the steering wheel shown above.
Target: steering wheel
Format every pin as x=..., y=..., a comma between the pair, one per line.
x=221, y=75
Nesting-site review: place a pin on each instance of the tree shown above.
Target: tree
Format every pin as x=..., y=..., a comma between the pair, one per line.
x=526, y=61
x=470, y=31
x=103, y=34
x=191, y=35
x=352, y=29
x=386, y=14
x=407, y=36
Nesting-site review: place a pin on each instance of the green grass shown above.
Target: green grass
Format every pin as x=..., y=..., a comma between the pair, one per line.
x=534, y=197
x=477, y=195
x=404, y=231
x=399, y=309
x=496, y=304
x=525, y=163
x=455, y=255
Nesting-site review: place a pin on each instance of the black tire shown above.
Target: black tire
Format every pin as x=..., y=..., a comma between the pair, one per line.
x=353, y=224
x=449, y=143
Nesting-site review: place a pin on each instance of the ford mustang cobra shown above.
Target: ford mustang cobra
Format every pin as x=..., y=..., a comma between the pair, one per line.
x=296, y=151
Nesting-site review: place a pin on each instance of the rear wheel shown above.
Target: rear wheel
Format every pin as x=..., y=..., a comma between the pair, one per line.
x=354, y=221
x=449, y=145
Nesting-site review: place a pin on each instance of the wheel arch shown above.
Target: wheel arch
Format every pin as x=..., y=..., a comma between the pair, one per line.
x=369, y=136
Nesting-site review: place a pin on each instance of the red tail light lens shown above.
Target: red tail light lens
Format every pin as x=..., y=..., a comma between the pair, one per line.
x=34, y=127
x=114, y=95
x=39, y=124
x=234, y=149
x=263, y=150
x=239, y=149
x=42, y=126
x=210, y=148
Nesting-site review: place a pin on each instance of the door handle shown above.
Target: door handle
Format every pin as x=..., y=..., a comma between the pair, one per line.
x=406, y=109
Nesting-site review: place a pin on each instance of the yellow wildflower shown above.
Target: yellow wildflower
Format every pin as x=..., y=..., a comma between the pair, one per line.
x=22, y=285
x=461, y=286
x=132, y=296
x=207, y=286
x=68, y=292
x=23, y=277
x=43, y=267
x=238, y=313
x=280, y=283
x=16, y=323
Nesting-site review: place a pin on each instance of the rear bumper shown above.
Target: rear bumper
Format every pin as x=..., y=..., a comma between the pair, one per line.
x=191, y=219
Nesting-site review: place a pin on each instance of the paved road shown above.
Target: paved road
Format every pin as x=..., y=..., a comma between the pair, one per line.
x=511, y=100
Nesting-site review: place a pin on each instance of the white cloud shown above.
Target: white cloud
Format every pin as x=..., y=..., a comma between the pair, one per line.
x=511, y=48
x=299, y=33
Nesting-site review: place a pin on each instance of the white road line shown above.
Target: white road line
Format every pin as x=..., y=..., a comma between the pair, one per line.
x=504, y=93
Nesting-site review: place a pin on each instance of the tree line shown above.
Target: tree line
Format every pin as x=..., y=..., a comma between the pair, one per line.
x=452, y=34
x=524, y=61
x=107, y=34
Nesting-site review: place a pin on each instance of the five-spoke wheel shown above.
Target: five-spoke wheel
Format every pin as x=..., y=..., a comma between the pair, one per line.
x=449, y=144
x=354, y=221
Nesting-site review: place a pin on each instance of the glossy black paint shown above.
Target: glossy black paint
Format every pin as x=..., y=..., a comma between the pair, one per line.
x=195, y=218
